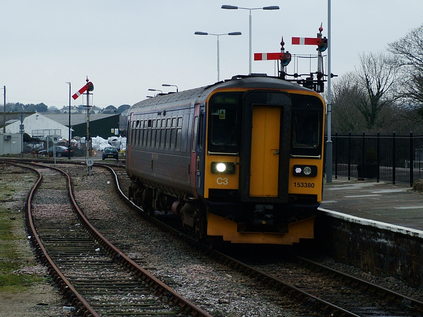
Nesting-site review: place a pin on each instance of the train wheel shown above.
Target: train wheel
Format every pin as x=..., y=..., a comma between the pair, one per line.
x=147, y=201
x=200, y=224
x=130, y=192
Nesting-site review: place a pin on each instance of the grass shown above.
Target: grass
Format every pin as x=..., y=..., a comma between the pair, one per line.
x=15, y=283
x=12, y=256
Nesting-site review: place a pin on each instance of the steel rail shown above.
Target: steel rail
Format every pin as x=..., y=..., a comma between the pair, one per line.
x=318, y=303
x=147, y=277
x=314, y=301
x=418, y=305
x=64, y=284
x=160, y=288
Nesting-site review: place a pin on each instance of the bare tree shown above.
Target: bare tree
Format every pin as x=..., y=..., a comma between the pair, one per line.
x=376, y=80
x=409, y=53
x=346, y=117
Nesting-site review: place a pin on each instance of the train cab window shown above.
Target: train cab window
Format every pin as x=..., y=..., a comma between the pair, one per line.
x=306, y=134
x=225, y=123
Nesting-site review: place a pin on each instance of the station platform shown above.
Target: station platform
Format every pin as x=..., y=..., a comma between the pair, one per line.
x=381, y=203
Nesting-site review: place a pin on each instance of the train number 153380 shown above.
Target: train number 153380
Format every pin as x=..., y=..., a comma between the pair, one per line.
x=303, y=185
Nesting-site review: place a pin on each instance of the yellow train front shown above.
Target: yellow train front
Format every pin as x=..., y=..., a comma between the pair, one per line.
x=249, y=164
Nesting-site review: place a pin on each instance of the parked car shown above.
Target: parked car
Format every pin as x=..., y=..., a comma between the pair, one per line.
x=59, y=149
x=110, y=152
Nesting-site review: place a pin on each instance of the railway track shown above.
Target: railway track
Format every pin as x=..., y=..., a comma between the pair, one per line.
x=325, y=290
x=96, y=277
x=311, y=285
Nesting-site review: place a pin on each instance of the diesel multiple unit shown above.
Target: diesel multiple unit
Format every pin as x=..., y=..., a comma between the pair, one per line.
x=241, y=159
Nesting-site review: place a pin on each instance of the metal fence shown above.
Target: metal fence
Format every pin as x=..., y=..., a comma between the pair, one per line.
x=396, y=158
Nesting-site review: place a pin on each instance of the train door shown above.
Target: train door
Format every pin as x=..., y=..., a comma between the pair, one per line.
x=266, y=133
x=196, y=149
x=265, y=139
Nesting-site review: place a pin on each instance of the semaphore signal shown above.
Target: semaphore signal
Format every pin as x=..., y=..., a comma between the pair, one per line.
x=89, y=86
x=314, y=80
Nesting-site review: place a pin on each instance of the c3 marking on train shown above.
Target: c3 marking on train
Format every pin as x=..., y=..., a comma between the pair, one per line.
x=222, y=181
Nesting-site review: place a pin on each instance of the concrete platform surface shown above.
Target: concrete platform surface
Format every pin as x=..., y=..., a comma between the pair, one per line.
x=394, y=204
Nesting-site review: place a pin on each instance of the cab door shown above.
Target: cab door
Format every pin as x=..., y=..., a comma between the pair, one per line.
x=265, y=148
x=265, y=142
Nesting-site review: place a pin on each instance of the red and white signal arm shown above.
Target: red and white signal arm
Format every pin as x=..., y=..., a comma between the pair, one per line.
x=305, y=41
x=88, y=86
x=267, y=56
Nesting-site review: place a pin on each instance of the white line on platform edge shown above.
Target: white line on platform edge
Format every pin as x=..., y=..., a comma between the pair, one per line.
x=374, y=223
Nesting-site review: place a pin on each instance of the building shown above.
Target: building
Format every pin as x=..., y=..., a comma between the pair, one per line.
x=43, y=124
x=100, y=124
x=10, y=143
x=37, y=125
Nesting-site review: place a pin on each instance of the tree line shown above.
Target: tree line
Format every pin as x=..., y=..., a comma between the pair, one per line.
x=385, y=93
x=41, y=107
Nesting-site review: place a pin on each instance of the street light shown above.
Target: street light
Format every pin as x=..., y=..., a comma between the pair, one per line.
x=217, y=42
x=4, y=110
x=170, y=85
x=329, y=100
x=268, y=8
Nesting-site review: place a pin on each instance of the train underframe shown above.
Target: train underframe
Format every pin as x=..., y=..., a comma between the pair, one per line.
x=232, y=221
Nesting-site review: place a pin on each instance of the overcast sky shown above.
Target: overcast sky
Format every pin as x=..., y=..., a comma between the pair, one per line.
x=128, y=46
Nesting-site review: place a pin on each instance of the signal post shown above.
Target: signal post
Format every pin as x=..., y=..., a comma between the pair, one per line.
x=89, y=86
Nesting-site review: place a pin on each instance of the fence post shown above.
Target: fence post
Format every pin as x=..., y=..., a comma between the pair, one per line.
x=393, y=158
x=349, y=156
x=363, y=157
x=378, y=156
x=411, y=159
x=336, y=155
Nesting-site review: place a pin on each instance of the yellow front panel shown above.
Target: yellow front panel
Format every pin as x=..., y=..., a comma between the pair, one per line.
x=227, y=229
x=220, y=181
x=306, y=185
x=264, y=171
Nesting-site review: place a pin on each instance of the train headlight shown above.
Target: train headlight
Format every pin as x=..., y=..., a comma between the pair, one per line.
x=223, y=167
x=305, y=170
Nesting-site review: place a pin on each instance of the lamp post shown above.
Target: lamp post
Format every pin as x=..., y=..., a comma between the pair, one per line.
x=69, y=126
x=217, y=42
x=170, y=85
x=250, y=22
x=329, y=101
x=4, y=109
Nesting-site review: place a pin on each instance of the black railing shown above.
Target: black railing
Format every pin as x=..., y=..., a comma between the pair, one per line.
x=397, y=158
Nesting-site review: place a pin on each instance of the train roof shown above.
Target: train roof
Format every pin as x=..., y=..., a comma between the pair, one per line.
x=239, y=81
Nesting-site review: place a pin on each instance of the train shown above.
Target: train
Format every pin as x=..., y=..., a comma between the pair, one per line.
x=240, y=160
